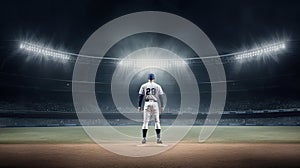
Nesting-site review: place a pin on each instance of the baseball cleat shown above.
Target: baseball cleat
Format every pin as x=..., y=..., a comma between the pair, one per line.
x=159, y=141
x=143, y=141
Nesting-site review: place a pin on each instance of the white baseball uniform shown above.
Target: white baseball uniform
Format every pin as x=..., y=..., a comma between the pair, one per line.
x=151, y=92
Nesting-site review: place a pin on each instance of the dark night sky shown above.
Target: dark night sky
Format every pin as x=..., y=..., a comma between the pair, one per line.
x=230, y=25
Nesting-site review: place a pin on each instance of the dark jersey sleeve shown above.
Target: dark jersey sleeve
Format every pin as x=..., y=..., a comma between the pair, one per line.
x=141, y=96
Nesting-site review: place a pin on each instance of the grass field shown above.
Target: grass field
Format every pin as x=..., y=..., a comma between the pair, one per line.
x=223, y=134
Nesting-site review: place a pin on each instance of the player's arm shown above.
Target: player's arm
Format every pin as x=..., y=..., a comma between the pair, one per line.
x=160, y=96
x=161, y=103
x=161, y=100
x=141, y=96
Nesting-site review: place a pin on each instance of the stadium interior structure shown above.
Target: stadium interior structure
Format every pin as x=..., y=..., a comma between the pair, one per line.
x=254, y=97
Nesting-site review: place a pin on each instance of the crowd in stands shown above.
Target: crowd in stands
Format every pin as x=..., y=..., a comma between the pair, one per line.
x=28, y=105
x=261, y=103
x=232, y=104
x=40, y=122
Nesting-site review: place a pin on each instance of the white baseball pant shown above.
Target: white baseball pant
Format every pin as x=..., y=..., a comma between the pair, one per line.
x=151, y=109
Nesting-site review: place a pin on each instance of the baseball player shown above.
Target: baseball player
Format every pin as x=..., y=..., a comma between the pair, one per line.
x=152, y=93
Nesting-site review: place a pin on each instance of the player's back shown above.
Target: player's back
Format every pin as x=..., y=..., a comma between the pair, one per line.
x=151, y=91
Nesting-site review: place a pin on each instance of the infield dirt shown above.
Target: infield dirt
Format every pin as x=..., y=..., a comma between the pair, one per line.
x=182, y=155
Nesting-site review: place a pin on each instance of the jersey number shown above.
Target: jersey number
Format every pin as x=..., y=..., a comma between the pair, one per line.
x=151, y=91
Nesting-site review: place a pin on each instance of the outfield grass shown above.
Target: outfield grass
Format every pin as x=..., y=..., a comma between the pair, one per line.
x=223, y=134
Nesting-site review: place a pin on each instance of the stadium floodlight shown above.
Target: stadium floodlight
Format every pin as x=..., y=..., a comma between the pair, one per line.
x=155, y=62
x=44, y=51
x=261, y=51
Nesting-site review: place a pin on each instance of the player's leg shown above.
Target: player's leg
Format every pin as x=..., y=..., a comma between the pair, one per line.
x=145, y=122
x=157, y=122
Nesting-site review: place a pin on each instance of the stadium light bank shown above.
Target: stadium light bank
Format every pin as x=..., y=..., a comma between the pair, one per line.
x=261, y=51
x=155, y=62
x=44, y=51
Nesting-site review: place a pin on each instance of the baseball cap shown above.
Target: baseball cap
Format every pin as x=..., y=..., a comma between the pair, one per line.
x=151, y=76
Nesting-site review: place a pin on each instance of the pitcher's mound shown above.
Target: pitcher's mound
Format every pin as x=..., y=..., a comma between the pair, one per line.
x=152, y=145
